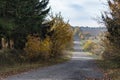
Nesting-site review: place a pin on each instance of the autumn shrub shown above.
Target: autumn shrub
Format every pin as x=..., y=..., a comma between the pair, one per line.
x=89, y=45
x=37, y=49
x=93, y=47
x=97, y=50
x=62, y=36
x=111, y=52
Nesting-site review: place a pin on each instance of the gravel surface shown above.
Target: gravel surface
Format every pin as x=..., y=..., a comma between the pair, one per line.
x=80, y=67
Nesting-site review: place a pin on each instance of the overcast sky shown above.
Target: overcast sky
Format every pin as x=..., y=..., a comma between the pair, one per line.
x=79, y=12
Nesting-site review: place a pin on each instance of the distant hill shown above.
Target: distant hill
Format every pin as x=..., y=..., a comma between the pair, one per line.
x=87, y=32
x=93, y=31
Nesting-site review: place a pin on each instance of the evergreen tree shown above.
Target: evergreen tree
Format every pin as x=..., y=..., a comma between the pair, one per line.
x=29, y=18
x=22, y=17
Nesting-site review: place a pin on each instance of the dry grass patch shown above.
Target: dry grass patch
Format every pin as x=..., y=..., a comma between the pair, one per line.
x=111, y=69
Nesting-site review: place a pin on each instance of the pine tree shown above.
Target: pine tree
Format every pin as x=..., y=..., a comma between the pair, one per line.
x=24, y=17
x=29, y=18
x=31, y=14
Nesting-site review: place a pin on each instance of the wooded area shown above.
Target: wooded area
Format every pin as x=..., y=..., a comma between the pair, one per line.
x=27, y=36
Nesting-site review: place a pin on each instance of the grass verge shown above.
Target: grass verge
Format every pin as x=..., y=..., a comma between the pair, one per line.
x=111, y=69
x=6, y=71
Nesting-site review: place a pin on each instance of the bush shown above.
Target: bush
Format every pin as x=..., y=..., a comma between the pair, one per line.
x=89, y=45
x=11, y=57
x=111, y=52
x=37, y=49
x=94, y=47
x=5, y=57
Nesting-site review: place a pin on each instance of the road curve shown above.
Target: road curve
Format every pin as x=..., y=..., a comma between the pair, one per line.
x=80, y=67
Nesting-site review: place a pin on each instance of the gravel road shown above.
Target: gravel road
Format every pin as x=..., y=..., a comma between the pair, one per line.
x=80, y=67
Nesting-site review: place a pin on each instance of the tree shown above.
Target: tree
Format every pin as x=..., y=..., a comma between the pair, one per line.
x=31, y=13
x=6, y=20
x=6, y=28
x=111, y=20
x=29, y=18
x=26, y=15
x=61, y=37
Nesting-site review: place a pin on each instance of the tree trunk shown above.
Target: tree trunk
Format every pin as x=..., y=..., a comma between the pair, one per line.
x=0, y=43
x=8, y=40
x=3, y=43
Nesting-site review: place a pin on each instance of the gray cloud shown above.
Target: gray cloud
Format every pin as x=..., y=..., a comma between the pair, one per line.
x=79, y=12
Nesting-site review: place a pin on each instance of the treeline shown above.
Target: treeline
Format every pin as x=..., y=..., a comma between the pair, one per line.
x=29, y=35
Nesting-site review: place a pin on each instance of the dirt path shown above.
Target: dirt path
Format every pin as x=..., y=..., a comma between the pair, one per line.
x=80, y=67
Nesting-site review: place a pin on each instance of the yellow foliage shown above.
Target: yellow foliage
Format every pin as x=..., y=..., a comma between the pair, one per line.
x=54, y=45
x=63, y=35
x=36, y=47
x=111, y=52
x=88, y=45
